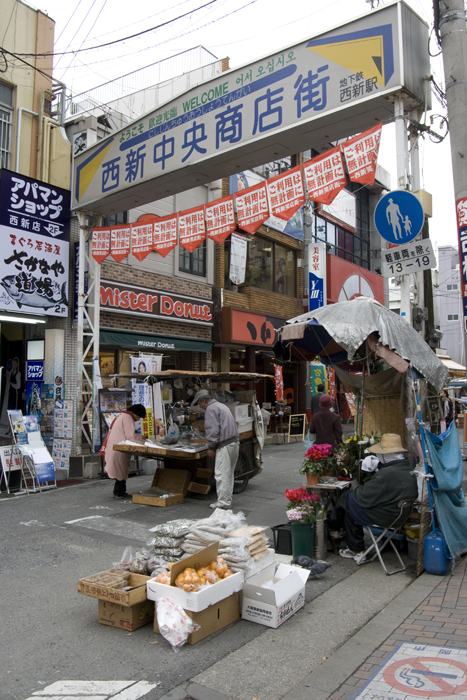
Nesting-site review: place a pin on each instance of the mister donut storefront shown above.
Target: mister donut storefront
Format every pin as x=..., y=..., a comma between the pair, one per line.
x=138, y=320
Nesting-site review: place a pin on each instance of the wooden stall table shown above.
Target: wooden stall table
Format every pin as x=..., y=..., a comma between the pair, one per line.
x=185, y=470
x=331, y=492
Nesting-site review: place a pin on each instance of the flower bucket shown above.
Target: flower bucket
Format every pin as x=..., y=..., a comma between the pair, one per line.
x=303, y=537
x=312, y=479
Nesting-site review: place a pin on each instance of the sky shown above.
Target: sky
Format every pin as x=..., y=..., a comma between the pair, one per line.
x=243, y=30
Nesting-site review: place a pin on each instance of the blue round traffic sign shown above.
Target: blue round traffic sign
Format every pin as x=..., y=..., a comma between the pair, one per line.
x=399, y=217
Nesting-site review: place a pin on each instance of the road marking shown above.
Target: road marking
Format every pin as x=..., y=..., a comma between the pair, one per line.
x=95, y=690
x=415, y=671
x=115, y=526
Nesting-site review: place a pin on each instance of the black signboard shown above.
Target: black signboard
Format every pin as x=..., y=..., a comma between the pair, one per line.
x=297, y=425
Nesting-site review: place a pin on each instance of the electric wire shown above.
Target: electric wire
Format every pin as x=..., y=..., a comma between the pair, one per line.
x=118, y=41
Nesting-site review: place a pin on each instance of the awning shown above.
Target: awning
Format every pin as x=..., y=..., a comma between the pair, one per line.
x=455, y=369
x=158, y=343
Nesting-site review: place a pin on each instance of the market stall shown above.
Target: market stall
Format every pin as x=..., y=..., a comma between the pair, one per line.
x=386, y=363
x=178, y=439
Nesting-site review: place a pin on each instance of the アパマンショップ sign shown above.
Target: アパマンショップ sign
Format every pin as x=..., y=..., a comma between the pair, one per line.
x=142, y=301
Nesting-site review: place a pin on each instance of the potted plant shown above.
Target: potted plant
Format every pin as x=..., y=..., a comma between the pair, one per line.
x=302, y=510
x=318, y=458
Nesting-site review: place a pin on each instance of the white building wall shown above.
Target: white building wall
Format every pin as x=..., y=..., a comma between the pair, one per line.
x=449, y=299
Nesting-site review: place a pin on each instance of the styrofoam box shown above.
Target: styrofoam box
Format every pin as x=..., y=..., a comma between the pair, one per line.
x=267, y=561
x=245, y=426
x=196, y=600
x=271, y=602
x=243, y=412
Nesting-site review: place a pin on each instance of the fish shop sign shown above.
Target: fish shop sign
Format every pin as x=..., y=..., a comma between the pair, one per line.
x=34, y=250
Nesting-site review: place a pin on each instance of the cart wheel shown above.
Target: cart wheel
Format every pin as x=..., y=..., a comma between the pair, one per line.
x=243, y=465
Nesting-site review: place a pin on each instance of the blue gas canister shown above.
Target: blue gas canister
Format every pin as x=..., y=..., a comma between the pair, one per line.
x=436, y=556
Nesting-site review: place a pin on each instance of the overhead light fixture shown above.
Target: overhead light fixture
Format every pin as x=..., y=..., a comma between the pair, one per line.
x=20, y=319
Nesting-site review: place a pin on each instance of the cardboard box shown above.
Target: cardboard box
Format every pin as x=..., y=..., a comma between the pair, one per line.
x=174, y=481
x=197, y=600
x=271, y=602
x=212, y=619
x=126, y=618
x=136, y=594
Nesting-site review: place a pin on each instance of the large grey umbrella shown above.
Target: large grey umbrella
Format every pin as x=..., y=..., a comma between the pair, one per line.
x=351, y=323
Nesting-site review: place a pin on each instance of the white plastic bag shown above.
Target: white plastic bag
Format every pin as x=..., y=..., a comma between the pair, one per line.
x=173, y=622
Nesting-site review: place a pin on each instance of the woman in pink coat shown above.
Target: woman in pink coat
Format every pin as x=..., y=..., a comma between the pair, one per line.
x=117, y=463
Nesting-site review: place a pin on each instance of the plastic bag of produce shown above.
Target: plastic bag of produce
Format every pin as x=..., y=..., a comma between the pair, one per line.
x=174, y=624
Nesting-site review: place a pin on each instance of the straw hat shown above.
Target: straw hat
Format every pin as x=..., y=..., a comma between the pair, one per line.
x=390, y=442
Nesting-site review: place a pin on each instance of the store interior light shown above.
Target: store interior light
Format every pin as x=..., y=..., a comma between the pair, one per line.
x=20, y=319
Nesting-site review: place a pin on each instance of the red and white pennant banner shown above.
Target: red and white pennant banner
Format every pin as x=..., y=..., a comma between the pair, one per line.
x=286, y=193
x=165, y=234
x=361, y=155
x=100, y=248
x=325, y=176
x=120, y=242
x=191, y=228
x=141, y=239
x=220, y=219
x=252, y=207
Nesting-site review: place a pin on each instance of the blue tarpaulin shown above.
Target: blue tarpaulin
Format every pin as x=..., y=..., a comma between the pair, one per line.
x=449, y=501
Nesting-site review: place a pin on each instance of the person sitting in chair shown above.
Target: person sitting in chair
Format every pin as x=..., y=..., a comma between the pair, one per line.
x=376, y=501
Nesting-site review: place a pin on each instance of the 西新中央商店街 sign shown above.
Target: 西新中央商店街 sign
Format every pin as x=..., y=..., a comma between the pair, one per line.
x=265, y=110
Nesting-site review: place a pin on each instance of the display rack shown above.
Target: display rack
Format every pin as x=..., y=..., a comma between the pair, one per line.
x=32, y=480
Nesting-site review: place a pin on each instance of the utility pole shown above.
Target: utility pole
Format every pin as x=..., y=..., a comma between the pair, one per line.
x=451, y=32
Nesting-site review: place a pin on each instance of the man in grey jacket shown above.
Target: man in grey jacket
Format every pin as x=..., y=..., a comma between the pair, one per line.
x=223, y=444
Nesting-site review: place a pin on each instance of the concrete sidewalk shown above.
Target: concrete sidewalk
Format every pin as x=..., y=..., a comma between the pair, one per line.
x=429, y=614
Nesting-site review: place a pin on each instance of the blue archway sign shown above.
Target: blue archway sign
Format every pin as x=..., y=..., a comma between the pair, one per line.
x=399, y=217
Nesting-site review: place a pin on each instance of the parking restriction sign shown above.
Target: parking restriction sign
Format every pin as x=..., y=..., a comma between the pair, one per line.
x=411, y=257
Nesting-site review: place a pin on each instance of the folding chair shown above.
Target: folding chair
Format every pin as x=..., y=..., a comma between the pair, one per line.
x=381, y=536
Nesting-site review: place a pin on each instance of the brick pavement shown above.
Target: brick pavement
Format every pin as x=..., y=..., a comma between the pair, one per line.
x=441, y=619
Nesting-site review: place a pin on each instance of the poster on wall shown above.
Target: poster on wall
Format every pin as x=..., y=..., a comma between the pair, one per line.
x=150, y=397
x=35, y=233
x=238, y=252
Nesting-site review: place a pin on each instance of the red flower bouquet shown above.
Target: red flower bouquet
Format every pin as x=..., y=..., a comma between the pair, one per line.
x=317, y=459
x=303, y=506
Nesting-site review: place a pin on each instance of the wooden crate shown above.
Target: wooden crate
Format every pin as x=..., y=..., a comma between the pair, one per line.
x=175, y=481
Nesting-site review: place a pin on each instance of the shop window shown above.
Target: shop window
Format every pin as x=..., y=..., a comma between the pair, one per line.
x=451, y=287
x=453, y=317
x=269, y=266
x=116, y=219
x=194, y=263
x=6, y=105
x=354, y=247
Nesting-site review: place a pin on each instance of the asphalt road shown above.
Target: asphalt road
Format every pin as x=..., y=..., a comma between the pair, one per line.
x=50, y=633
